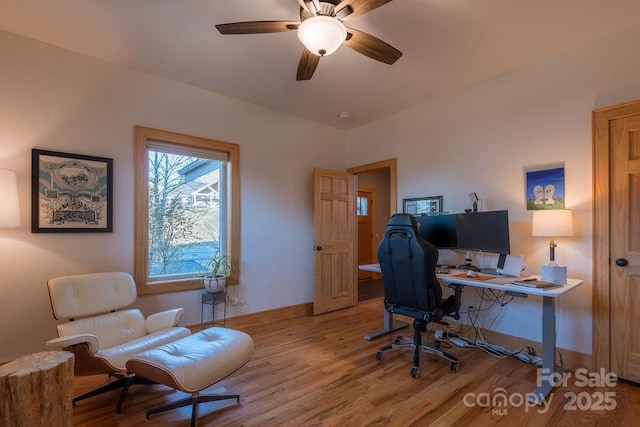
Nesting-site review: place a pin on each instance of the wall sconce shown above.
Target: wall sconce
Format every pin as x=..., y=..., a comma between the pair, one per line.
x=9, y=206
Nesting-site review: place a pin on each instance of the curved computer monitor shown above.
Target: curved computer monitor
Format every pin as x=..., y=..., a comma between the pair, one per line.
x=439, y=230
x=483, y=231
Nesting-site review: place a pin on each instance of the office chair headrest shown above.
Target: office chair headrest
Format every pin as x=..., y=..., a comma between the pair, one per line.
x=402, y=220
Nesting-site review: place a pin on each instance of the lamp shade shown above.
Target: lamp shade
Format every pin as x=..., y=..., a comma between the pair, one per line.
x=322, y=35
x=9, y=208
x=552, y=223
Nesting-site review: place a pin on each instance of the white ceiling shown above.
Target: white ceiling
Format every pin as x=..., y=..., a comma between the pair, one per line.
x=447, y=45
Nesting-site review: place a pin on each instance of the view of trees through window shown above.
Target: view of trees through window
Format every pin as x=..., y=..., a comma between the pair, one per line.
x=184, y=213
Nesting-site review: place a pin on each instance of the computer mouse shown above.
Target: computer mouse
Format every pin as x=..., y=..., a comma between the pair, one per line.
x=472, y=273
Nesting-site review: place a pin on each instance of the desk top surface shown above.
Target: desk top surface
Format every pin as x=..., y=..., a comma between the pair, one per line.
x=488, y=281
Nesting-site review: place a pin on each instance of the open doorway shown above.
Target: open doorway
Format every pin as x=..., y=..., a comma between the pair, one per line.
x=366, y=213
x=377, y=189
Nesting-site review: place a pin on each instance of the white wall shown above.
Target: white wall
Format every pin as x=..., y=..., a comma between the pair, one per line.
x=478, y=139
x=481, y=139
x=57, y=100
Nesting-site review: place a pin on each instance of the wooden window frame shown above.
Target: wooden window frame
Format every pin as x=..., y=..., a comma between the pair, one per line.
x=142, y=135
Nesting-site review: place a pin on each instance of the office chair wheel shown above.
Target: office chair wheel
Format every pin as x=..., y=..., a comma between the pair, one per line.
x=414, y=372
x=454, y=366
x=380, y=355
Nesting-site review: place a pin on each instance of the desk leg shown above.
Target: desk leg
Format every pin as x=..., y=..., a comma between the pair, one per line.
x=388, y=327
x=548, y=351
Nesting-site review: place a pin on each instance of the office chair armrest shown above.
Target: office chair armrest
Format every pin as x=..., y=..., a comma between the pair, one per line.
x=163, y=320
x=71, y=340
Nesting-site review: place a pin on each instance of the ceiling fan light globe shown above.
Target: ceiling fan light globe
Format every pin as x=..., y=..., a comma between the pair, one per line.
x=322, y=35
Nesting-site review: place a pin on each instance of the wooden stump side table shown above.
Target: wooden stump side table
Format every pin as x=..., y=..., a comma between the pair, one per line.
x=37, y=390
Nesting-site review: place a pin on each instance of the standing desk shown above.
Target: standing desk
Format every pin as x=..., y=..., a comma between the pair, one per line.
x=456, y=279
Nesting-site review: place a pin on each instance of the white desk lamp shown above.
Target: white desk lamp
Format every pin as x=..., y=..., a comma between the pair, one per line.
x=552, y=223
x=9, y=207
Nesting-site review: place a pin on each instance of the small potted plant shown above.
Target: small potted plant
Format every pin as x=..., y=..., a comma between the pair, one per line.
x=219, y=268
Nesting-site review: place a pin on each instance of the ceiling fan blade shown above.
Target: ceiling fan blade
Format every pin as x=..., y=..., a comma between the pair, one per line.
x=311, y=6
x=307, y=65
x=257, y=27
x=359, y=7
x=343, y=14
x=371, y=46
x=303, y=5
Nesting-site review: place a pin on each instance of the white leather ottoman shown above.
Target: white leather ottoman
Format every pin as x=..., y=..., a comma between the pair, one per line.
x=194, y=363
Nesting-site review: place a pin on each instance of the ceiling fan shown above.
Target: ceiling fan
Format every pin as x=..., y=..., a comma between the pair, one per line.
x=322, y=31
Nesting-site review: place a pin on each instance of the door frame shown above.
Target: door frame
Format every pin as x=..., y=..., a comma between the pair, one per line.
x=392, y=165
x=601, y=288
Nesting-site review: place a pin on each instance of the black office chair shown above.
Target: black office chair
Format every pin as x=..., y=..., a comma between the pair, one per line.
x=411, y=287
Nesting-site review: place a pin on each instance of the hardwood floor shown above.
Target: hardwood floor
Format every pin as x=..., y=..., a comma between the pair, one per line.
x=320, y=371
x=369, y=289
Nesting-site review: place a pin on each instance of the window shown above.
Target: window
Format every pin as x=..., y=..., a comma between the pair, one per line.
x=186, y=208
x=362, y=204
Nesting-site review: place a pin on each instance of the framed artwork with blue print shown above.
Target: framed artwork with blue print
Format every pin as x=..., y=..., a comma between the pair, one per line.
x=545, y=188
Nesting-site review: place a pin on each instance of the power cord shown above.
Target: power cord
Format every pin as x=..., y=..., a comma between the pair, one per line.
x=488, y=300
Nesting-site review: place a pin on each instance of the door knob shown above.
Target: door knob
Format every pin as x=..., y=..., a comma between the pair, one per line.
x=317, y=248
x=622, y=262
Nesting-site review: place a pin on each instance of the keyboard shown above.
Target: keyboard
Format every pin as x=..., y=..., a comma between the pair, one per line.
x=443, y=270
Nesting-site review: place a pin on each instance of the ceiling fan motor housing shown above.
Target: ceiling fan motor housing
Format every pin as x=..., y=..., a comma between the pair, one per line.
x=327, y=8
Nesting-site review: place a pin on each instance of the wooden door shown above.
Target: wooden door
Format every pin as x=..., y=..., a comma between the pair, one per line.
x=334, y=234
x=364, y=211
x=625, y=247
